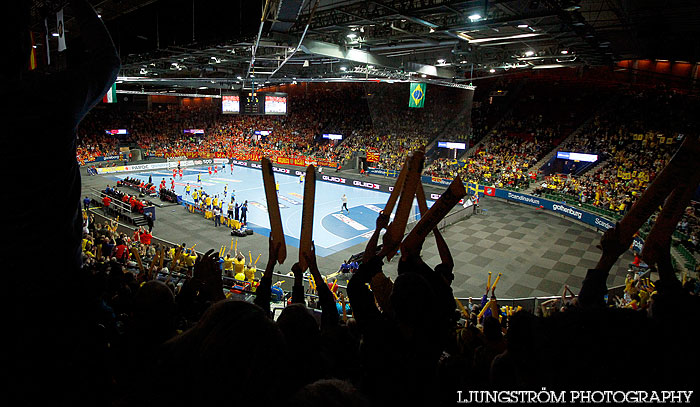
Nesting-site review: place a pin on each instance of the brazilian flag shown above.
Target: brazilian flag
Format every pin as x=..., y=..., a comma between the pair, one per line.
x=417, y=94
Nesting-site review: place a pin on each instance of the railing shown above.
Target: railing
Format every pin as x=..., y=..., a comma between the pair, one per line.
x=572, y=199
x=115, y=205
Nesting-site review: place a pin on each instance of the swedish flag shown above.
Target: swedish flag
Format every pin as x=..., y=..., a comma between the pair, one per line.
x=417, y=94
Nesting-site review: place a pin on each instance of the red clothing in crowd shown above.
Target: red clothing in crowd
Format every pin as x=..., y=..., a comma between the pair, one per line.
x=106, y=201
x=146, y=238
x=119, y=251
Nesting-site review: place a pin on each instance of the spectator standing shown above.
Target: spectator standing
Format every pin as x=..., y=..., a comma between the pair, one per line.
x=217, y=217
x=244, y=213
x=149, y=222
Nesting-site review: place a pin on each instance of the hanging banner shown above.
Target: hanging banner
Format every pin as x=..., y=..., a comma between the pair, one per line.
x=417, y=97
x=46, y=34
x=60, y=31
x=111, y=95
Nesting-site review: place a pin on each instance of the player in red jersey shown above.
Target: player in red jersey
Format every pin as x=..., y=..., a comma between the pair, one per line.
x=210, y=171
x=216, y=169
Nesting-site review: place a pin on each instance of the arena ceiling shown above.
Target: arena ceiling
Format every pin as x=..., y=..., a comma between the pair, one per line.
x=210, y=45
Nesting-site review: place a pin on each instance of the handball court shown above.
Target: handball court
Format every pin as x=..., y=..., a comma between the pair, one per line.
x=537, y=252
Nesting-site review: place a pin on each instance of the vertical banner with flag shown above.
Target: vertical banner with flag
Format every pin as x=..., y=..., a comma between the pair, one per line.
x=48, y=49
x=60, y=31
x=32, y=55
x=111, y=96
x=417, y=94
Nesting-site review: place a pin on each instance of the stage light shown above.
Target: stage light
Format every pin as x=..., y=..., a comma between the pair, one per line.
x=564, y=52
x=529, y=53
x=492, y=70
x=523, y=25
x=352, y=36
x=475, y=17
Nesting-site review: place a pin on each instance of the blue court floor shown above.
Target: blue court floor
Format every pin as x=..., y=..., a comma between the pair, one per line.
x=334, y=229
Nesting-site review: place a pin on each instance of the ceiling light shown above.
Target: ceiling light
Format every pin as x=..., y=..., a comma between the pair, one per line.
x=492, y=70
x=548, y=66
x=432, y=30
x=424, y=76
x=252, y=76
x=529, y=53
x=239, y=78
x=463, y=62
x=522, y=26
x=475, y=17
x=510, y=37
x=54, y=34
x=352, y=36
x=202, y=87
x=342, y=68
x=441, y=61
x=564, y=52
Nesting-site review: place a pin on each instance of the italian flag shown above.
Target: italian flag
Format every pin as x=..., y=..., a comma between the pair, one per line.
x=111, y=96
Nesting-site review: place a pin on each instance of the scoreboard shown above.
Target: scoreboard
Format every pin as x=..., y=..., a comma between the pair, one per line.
x=255, y=103
x=251, y=103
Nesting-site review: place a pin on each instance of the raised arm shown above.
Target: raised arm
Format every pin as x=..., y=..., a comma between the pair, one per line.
x=329, y=312
x=361, y=298
x=263, y=292
x=371, y=248
x=298, y=288
x=594, y=285
x=446, y=263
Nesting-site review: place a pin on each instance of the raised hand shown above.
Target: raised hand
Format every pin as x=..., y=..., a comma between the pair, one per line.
x=382, y=221
x=612, y=242
x=310, y=258
x=273, y=250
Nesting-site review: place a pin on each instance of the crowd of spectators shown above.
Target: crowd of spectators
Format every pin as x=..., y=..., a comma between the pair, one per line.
x=372, y=117
x=540, y=117
x=634, y=140
x=179, y=322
